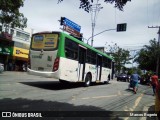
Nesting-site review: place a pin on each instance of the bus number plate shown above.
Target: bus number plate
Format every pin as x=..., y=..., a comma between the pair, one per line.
x=40, y=68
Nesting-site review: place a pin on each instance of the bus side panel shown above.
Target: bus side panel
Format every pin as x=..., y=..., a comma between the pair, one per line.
x=105, y=73
x=69, y=69
x=61, y=51
x=92, y=69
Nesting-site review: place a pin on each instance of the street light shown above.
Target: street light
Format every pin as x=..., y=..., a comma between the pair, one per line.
x=94, y=9
x=98, y=34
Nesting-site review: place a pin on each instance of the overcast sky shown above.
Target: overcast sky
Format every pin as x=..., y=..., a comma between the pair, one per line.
x=43, y=15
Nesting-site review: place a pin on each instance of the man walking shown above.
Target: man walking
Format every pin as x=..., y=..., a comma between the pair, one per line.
x=154, y=82
x=134, y=81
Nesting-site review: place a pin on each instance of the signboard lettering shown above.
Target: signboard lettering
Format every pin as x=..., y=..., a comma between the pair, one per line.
x=70, y=27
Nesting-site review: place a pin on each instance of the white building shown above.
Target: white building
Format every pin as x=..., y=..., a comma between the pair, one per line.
x=19, y=35
x=14, y=46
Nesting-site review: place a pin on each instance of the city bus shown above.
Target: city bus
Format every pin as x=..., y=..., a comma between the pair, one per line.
x=64, y=57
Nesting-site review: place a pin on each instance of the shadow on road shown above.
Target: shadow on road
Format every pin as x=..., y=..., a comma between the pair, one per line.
x=56, y=110
x=52, y=85
x=55, y=85
x=129, y=90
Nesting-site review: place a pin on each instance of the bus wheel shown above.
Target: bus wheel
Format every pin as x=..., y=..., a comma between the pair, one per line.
x=106, y=82
x=63, y=82
x=87, y=80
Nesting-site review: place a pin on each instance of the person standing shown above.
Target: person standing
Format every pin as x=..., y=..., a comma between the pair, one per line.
x=134, y=81
x=154, y=82
x=148, y=78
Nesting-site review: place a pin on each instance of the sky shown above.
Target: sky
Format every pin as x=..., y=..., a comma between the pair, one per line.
x=43, y=15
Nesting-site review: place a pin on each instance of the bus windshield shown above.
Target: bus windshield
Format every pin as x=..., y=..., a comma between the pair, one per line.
x=44, y=41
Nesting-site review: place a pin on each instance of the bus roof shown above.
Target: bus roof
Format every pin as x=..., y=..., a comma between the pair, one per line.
x=77, y=41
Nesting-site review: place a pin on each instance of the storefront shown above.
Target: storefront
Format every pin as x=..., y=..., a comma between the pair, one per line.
x=20, y=58
x=13, y=57
x=6, y=50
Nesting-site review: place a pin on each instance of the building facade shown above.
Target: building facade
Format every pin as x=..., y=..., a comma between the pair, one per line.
x=14, y=47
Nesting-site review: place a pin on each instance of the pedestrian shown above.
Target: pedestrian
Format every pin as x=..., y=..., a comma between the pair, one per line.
x=23, y=67
x=148, y=76
x=154, y=82
x=134, y=81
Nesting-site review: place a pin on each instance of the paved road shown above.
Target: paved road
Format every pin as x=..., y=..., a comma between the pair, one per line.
x=22, y=92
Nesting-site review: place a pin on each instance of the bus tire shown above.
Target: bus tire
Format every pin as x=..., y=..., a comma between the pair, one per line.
x=106, y=82
x=87, y=81
x=63, y=82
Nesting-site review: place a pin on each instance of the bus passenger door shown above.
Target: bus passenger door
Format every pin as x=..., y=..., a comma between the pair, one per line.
x=99, y=67
x=81, y=63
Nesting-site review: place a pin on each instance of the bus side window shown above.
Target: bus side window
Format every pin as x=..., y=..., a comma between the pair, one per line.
x=105, y=62
x=71, y=49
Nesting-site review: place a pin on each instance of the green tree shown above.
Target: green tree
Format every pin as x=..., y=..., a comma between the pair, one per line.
x=10, y=15
x=121, y=57
x=85, y=4
x=147, y=57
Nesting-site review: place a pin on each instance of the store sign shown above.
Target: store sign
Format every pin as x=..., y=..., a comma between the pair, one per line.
x=20, y=52
x=5, y=50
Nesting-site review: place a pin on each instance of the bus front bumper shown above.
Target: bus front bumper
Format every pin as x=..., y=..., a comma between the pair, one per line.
x=43, y=74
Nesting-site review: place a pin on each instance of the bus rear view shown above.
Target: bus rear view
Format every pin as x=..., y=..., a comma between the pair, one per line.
x=43, y=60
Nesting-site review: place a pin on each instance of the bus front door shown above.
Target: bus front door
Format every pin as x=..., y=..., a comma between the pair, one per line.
x=81, y=63
x=99, y=67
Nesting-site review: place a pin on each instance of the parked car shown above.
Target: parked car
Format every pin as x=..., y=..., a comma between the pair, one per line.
x=123, y=77
x=1, y=67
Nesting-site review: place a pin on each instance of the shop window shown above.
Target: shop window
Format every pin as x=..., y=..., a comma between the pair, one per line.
x=22, y=35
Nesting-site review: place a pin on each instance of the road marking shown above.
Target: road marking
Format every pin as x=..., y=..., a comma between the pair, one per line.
x=86, y=98
x=119, y=93
x=127, y=94
x=137, y=101
x=135, y=104
x=97, y=97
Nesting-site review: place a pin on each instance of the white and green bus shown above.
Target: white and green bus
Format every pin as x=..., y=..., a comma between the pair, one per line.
x=61, y=56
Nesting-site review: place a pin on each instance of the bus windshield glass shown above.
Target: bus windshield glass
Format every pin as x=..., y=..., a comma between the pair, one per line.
x=44, y=41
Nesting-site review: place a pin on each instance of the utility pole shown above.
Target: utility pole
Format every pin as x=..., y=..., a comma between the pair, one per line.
x=94, y=9
x=158, y=55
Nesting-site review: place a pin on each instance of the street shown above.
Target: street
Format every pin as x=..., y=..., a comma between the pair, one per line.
x=22, y=92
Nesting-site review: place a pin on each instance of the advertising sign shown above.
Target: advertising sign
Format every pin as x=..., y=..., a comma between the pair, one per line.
x=45, y=41
x=20, y=52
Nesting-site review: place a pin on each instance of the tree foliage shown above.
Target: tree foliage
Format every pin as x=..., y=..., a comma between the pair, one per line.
x=86, y=4
x=121, y=57
x=147, y=57
x=10, y=15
